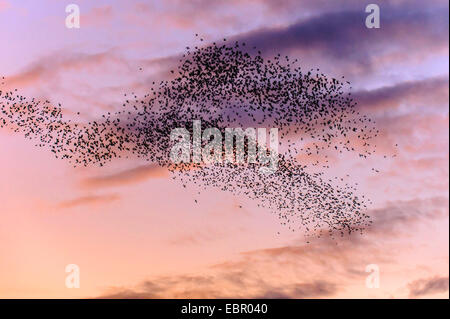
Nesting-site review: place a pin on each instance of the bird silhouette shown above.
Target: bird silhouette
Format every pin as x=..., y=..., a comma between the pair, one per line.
x=224, y=86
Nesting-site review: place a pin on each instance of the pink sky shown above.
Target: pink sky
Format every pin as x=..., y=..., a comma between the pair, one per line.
x=136, y=233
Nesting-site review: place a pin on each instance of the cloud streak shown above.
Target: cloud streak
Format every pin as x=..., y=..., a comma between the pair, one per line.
x=428, y=286
x=303, y=271
x=88, y=200
x=431, y=92
x=126, y=177
x=341, y=35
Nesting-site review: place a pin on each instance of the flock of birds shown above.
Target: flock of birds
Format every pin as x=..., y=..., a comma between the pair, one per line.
x=226, y=85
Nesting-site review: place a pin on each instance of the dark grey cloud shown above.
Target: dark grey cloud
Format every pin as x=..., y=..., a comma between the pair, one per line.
x=432, y=90
x=342, y=35
x=320, y=289
x=207, y=287
x=428, y=286
x=400, y=215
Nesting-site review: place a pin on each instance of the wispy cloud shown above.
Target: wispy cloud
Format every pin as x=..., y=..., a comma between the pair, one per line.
x=428, y=286
x=340, y=36
x=300, y=271
x=431, y=92
x=88, y=200
x=130, y=176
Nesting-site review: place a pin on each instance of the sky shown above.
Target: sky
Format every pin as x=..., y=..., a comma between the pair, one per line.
x=136, y=233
